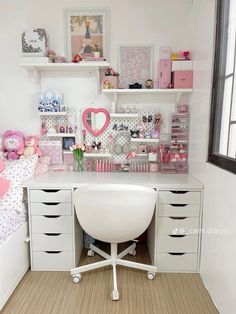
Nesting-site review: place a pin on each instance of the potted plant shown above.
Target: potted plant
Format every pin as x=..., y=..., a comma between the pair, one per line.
x=96, y=50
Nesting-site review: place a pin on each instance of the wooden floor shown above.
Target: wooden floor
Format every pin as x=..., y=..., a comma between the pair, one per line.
x=55, y=293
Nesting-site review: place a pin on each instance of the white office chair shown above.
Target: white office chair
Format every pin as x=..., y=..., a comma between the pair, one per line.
x=114, y=213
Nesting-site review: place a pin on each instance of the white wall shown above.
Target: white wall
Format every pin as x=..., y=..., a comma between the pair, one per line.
x=218, y=259
x=132, y=22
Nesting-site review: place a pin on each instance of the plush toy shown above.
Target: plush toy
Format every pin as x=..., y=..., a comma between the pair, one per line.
x=4, y=183
x=31, y=147
x=13, y=141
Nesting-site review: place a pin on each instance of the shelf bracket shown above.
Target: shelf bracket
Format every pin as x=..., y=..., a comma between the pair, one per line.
x=177, y=98
x=98, y=80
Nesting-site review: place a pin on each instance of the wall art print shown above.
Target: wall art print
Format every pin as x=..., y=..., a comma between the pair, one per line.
x=34, y=42
x=135, y=64
x=86, y=32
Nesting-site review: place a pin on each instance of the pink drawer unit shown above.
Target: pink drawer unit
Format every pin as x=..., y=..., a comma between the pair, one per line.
x=164, y=73
x=183, y=79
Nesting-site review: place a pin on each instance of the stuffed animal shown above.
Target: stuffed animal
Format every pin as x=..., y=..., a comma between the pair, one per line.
x=4, y=183
x=13, y=141
x=31, y=147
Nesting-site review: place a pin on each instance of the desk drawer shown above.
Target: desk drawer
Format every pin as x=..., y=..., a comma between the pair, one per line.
x=179, y=210
x=179, y=197
x=50, y=208
x=51, y=224
x=171, y=225
x=52, y=242
x=183, y=262
x=174, y=243
x=50, y=195
x=52, y=261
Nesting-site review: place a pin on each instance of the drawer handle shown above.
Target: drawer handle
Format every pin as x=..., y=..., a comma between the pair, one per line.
x=53, y=204
x=179, y=192
x=179, y=254
x=51, y=191
x=178, y=218
x=177, y=235
x=52, y=234
x=178, y=205
x=51, y=216
x=52, y=252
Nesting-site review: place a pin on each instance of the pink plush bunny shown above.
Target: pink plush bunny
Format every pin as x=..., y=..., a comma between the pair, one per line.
x=4, y=183
x=13, y=141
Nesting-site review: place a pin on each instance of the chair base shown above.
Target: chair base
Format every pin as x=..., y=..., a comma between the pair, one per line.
x=114, y=259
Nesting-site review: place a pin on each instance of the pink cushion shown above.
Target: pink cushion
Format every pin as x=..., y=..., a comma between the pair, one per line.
x=4, y=183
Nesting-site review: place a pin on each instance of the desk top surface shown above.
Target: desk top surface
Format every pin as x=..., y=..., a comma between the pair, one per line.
x=73, y=179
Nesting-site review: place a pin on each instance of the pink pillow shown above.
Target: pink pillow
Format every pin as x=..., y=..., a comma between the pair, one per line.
x=42, y=165
x=4, y=183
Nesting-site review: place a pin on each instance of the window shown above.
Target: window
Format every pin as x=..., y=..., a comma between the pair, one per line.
x=222, y=145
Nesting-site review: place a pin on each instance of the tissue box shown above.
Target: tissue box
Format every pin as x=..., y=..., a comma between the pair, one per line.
x=50, y=101
x=34, y=43
x=52, y=149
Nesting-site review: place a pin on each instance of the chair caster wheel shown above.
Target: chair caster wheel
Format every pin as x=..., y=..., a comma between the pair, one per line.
x=90, y=253
x=77, y=278
x=115, y=295
x=151, y=275
x=133, y=253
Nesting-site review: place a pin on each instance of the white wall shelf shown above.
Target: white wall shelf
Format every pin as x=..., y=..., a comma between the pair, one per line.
x=170, y=91
x=97, y=155
x=62, y=113
x=145, y=140
x=124, y=115
x=60, y=134
x=85, y=65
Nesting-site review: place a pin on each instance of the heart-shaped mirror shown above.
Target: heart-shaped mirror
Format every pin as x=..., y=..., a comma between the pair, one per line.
x=96, y=120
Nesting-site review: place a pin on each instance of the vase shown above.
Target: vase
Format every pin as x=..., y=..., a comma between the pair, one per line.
x=79, y=164
x=96, y=54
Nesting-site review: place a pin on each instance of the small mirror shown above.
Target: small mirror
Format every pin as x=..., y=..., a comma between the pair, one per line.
x=96, y=120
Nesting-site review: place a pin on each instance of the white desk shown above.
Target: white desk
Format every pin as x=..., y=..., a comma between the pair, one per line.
x=56, y=237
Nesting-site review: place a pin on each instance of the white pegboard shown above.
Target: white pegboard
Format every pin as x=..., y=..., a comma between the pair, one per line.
x=51, y=121
x=125, y=123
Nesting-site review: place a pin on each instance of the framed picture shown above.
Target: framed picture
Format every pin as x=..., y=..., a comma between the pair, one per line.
x=67, y=142
x=87, y=32
x=135, y=64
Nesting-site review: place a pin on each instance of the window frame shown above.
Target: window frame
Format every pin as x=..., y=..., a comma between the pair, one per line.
x=222, y=161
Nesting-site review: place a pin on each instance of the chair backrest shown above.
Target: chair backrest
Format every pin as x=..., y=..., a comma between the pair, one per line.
x=114, y=213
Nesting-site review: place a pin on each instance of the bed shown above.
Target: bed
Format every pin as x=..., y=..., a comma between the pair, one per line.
x=14, y=251
x=14, y=246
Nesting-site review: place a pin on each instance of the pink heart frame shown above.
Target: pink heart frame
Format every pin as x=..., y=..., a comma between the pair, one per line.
x=96, y=110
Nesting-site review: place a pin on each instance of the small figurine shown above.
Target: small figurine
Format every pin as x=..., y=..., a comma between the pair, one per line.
x=134, y=134
x=174, y=56
x=186, y=54
x=142, y=130
x=157, y=122
x=106, y=84
x=183, y=108
x=149, y=84
x=77, y=59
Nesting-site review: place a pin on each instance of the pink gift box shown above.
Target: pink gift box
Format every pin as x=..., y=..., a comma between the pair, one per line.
x=183, y=79
x=164, y=73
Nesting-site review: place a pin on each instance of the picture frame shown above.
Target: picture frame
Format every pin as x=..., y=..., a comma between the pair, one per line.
x=67, y=142
x=135, y=64
x=86, y=29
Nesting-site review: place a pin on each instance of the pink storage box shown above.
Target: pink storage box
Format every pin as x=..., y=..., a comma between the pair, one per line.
x=110, y=82
x=68, y=158
x=183, y=79
x=52, y=149
x=164, y=73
